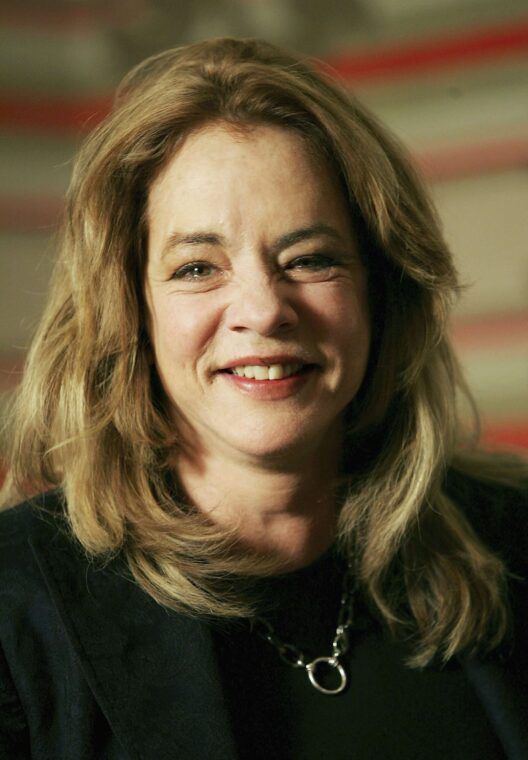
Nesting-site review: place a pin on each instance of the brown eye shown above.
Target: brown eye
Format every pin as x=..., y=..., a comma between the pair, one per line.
x=313, y=262
x=195, y=270
x=316, y=267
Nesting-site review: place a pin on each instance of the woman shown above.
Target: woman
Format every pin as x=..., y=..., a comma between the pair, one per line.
x=263, y=532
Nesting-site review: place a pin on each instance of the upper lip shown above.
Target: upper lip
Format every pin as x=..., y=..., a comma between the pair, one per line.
x=265, y=361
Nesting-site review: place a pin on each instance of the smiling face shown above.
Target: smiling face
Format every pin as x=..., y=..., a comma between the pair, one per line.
x=257, y=300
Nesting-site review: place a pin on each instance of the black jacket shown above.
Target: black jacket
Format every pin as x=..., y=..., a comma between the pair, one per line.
x=91, y=667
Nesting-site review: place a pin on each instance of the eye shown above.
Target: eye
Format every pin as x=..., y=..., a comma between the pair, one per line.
x=194, y=270
x=312, y=261
x=315, y=266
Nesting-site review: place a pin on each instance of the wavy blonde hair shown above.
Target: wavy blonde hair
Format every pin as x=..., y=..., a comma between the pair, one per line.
x=90, y=416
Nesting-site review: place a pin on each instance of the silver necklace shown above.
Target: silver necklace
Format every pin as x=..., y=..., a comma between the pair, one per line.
x=291, y=655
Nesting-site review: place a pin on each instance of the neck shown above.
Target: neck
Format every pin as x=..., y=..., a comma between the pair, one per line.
x=287, y=513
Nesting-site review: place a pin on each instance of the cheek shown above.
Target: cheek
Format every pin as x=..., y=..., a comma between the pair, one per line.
x=181, y=331
x=353, y=346
x=349, y=339
x=343, y=314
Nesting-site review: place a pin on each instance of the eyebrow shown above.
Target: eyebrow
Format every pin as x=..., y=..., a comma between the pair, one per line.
x=287, y=240
x=193, y=238
x=305, y=233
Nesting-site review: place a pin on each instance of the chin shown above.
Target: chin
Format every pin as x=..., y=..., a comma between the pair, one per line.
x=281, y=444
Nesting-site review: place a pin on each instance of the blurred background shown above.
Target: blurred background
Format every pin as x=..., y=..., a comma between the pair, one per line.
x=450, y=77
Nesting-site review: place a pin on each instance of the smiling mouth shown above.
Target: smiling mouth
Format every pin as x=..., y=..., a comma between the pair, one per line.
x=268, y=372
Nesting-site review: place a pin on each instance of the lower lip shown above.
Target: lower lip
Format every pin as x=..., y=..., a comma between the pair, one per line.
x=270, y=390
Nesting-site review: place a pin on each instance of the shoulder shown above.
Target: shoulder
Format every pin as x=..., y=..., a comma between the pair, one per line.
x=40, y=557
x=44, y=509
x=39, y=520
x=46, y=575
x=498, y=513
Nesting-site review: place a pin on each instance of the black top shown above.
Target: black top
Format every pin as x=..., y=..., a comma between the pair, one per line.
x=91, y=668
x=388, y=710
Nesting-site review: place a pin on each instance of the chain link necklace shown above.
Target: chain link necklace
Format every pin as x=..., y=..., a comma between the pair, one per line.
x=291, y=655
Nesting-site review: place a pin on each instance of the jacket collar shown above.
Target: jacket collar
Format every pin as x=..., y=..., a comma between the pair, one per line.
x=504, y=702
x=501, y=680
x=152, y=672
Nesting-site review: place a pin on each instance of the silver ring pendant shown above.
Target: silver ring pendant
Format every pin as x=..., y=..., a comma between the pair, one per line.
x=332, y=662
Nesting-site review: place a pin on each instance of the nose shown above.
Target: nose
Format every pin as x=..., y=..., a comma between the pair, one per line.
x=262, y=305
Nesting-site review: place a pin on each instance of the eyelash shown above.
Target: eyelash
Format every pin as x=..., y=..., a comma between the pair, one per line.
x=186, y=271
x=313, y=262
x=321, y=261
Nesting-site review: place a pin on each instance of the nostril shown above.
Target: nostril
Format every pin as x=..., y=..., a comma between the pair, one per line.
x=262, y=313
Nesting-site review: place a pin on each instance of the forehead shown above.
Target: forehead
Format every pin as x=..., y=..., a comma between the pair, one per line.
x=235, y=180
x=223, y=138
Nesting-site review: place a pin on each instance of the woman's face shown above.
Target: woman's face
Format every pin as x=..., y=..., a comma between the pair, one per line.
x=257, y=299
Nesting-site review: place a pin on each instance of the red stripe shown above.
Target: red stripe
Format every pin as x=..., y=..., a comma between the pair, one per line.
x=55, y=114
x=30, y=213
x=470, y=159
x=11, y=367
x=491, y=331
x=65, y=16
x=509, y=436
x=472, y=47
x=27, y=212
x=417, y=58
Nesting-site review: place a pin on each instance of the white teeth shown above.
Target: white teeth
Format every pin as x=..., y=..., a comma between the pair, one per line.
x=277, y=371
x=264, y=372
x=261, y=373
